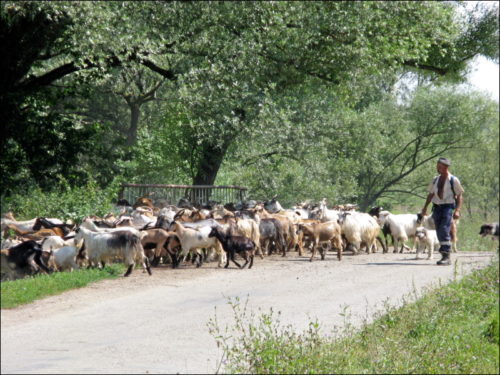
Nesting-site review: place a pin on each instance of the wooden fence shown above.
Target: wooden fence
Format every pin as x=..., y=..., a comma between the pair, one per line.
x=171, y=194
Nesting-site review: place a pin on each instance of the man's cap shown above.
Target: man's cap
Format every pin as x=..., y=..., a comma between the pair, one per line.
x=444, y=161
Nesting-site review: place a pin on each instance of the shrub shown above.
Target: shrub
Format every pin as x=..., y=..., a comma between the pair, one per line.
x=64, y=202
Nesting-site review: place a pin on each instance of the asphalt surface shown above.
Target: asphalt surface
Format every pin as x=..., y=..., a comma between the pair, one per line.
x=158, y=324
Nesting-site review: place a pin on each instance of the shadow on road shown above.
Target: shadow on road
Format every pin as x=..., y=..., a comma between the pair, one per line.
x=396, y=264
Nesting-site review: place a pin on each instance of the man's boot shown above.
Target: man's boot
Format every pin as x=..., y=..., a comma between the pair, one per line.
x=445, y=260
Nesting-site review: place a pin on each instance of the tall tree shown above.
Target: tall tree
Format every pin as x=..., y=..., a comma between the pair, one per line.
x=228, y=57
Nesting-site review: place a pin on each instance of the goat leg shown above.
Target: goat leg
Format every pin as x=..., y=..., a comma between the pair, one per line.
x=234, y=261
x=199, y=256
x=245, y=256
x=148, y=265
x=260, y=252
x=322, y=252
x=129, y=270
x=315, y=245
x=404, y=247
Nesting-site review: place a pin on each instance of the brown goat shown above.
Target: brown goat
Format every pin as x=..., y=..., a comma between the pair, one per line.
x=303, y=240
x=323, y=232
x=42, y=233
x=143, y=201
x=160, y=238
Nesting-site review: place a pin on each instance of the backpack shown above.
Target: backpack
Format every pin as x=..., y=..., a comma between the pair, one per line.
x=452, y=179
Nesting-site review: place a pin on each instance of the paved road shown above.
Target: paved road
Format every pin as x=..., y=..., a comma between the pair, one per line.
x=158, y=324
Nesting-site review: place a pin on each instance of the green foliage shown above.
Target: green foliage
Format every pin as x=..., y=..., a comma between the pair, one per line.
x=291, y=98
x=382, y=153
x=65, y=202
x=450, y=329
x=19, y=292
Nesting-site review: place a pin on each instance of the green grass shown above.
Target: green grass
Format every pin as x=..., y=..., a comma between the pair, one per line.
x=469, y=238
x=18, y=292
x=451, y=329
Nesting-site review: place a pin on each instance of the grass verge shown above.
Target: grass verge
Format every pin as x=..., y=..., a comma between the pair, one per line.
x=450, y=329
x=19, y=292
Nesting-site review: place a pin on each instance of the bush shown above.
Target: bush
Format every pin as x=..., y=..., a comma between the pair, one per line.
x=65, y=202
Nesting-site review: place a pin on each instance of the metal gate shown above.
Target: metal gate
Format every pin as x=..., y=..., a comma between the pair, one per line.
x=171, y=194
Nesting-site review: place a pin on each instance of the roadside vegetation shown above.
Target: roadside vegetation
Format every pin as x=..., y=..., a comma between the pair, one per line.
x=19, y=292
x=450, y=329
x=64, y=202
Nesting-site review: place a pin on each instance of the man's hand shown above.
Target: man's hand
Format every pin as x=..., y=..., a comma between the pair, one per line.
x=424, y=211
x=456, y=214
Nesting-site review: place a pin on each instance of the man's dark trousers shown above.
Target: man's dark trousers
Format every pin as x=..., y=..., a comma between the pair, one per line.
x=442, y=215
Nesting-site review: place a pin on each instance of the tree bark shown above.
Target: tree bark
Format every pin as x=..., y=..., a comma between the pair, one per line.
x=209, y=163
x=135, y=111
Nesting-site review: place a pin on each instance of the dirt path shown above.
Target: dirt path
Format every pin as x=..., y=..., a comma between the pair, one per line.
x=158, y=324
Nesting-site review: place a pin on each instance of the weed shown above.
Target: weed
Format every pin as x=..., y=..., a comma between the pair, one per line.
x=451, y=329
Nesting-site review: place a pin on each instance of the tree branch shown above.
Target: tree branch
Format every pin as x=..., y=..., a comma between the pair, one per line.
x=48, y=77
x=150, y=95
x=167, y=73
x=435, y=69
x=405, y=192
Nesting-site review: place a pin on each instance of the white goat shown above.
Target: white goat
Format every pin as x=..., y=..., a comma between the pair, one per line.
x=426, y=239
x=168, y=213
x=65, y=258
x=402, y=227
x=195, y=239
x=359, y=228
x=87, y=223
x=139, y=219
x=55, y=242
x=323, y=214
x=101, y=247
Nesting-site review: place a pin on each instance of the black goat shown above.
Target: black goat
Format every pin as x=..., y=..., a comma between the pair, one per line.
x=386, y=228
x=235, y=244
x=27, y=257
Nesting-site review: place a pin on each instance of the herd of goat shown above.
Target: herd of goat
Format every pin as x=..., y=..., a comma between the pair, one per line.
x=147, y=235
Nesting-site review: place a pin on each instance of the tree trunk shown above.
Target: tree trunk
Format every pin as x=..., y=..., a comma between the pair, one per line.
x=135, y=112
x=365, y=203
x=209, y=164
